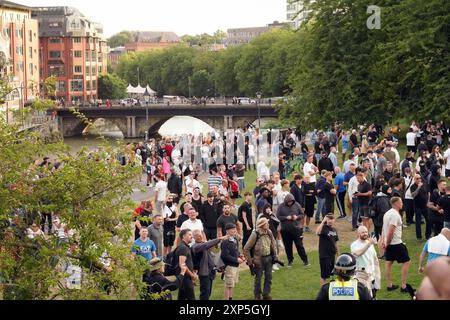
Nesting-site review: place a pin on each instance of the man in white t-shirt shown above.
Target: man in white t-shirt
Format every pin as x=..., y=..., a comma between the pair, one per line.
x=309, y=169
x=192, y=183
x=447, y=160
x=411, y=141
x=276, y=188
x=367, y=264
x=391, y=242
x=160, y=193
x=193, y=223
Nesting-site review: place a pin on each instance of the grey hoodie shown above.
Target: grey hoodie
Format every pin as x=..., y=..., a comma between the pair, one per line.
x=284, y=210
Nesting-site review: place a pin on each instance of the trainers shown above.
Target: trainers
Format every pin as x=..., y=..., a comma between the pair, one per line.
x=306, y=264
x=307, y=229
x=258, y=297
x=275, y=267
x=267, y=297
x=393, y=288
x=290, y=265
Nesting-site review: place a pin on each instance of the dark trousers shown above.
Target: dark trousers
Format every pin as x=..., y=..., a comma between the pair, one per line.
x=46, y=217
x=205, y=287
x=437, y=226
x=377, y=231
x=408, y=206
x=419, y=214
x=355, y=213
x=211, y=233
x=340, y=199
x=266, y=268
x=246, y=235
x=288, y=239
x=186, y=291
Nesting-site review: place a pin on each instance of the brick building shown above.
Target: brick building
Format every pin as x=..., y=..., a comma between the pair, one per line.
x=148, y=40
x=19, y=49
x=73, y=49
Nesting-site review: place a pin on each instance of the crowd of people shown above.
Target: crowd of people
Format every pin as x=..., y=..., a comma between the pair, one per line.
x=376, y=190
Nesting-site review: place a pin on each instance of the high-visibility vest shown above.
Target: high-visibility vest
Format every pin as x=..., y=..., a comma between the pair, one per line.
x=343, y=290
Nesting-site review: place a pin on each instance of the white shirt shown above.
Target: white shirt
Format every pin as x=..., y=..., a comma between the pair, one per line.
x=352, y=186
x=192, y=225
x=409, y=181
x=280, y=196
x=276, y=189
x=168, y=212
x=347, y=165
x=32, y=235
x=262, y=170
x=447, y=158
x=251, y=150
x=392, y=217
x=410, y=139
x=205, y=152
x=366, y=260
x=307, y=168
x=195, y=184
x=161, y=188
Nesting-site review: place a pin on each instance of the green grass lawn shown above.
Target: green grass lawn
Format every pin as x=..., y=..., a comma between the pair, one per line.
x=303, y=283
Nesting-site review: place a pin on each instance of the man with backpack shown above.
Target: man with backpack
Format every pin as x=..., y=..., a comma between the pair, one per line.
x=204, y=263
x=261, y=253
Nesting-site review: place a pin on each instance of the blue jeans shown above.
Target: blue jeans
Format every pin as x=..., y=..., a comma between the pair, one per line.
x=241, y=183
x=320, y=208
x=418, y=214
x=355, y=213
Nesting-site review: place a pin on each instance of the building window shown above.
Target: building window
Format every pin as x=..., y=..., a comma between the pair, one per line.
x=77, y=40
x=55, y=54
x=94, y=71
x=60, y=86
x=87, y=55
x=99, y=70
x=31, y=68
x=30, y=52
x=76, y=85
x=54, y=24
x=88, y=70
x=57, y=71
x=19, y=50
x=55, y=40
x=77, y=54
x=94, y=56
x=88, y=86
x=94, y=84
x=30, y=35
x=77, y=69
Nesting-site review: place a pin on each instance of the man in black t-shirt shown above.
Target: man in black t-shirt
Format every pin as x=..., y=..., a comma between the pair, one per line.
x=419, y=193
x=209, y=213
x=329, y=192
x=327, y=247
x=444, y=204
x=245, y=216
x=184, y=257
x=226, y=218
x=364, y=194
x=435, y=213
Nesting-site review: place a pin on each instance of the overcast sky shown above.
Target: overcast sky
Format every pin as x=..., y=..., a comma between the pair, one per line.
x=180, y=16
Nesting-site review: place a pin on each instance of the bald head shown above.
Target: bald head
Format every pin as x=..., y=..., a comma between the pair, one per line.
x=363, y=233
x=446, y=233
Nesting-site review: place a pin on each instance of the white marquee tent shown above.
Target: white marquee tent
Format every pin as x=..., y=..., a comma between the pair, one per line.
x=140, y=91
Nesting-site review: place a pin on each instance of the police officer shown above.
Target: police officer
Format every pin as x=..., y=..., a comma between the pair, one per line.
x=345, y=287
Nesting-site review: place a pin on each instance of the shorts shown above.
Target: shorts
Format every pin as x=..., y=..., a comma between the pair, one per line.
x=231, y=276
x=326, y=267
x=169, y=238
x=364, y=212
x=397, y=252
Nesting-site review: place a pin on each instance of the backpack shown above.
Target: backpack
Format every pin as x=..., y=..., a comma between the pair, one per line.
x=373, y=211
x=171, y=263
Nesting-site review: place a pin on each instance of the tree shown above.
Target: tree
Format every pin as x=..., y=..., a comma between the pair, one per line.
x=110, y=86
x=119, y=39
x=201, y=84
x=225, y=74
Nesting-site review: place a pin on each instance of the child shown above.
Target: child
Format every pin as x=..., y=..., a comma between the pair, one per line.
x=327, y=247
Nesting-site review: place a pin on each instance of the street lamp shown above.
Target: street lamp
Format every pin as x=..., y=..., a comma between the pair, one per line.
x=146, y=99
x=258, y=104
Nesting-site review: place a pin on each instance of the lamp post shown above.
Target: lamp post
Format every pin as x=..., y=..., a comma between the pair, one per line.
x=146, y=99
x=258, y=103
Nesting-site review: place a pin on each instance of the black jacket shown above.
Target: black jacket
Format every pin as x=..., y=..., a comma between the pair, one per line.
x=299, y=195
x=209, y=214
x=380, y=203
x=284, y=210
x=175, y=185
x=230, y=252
x=156, y=283
x=325, y=164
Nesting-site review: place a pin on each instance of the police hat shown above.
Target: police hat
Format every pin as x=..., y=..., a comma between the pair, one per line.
x=345, y=265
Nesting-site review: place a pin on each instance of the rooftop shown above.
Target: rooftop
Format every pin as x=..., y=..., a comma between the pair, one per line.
x=13, y=5
x=155, y=36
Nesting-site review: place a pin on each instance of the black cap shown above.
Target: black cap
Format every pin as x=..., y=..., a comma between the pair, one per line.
x=229, y=226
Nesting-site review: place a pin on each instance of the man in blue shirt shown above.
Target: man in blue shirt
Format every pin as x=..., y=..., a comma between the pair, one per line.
x=341, y=191
x=435, y=247
x=143, y=246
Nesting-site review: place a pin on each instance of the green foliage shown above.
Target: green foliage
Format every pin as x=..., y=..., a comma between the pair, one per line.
x=119, y=39
x=90, y=193
x=204, y=39
x=110, y=86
